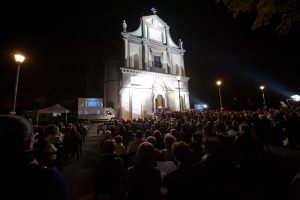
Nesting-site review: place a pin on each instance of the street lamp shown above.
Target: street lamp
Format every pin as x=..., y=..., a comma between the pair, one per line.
x=219, y=83
x=262, y=90
x=178, y=79
x=19, y=60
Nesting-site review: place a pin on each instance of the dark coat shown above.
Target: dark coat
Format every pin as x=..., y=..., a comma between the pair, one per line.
x=183, y=183
x=109, y=170
x=212, y=170
x=21, y=179
x=143, y=181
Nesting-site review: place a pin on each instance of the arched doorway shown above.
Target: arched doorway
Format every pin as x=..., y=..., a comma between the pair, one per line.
x=159, y=102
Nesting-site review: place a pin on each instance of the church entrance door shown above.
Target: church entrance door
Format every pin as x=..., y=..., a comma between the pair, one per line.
x=159, y=102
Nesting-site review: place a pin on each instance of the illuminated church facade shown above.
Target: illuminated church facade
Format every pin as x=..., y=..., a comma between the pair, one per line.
x=145, y=78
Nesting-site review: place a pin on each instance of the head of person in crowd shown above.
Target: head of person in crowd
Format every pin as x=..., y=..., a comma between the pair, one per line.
x=198, y=126
x=245, y=128
x=109, y=146
x=118, y=139
x=157, y=134
x=169, y=140
x=211, y=146
x=138, y=134
x=16, y=135
x=220, y=128
x=129, y=134
x=196, y=138
x=42, y=142
x=182, y=152
x=151, y=140
x=174, y=132
x=148, y=133
x=207, y=132
x=145, y=152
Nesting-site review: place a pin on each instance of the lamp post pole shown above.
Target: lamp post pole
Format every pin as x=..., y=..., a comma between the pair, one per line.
x=178, y=79
x=262, y=90
x=219, y=83
x=19, y=60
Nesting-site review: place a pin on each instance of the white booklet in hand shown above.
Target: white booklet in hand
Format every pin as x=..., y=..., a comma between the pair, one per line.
x=166, y=167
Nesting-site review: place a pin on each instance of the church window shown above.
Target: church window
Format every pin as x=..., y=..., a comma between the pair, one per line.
x=157, y=62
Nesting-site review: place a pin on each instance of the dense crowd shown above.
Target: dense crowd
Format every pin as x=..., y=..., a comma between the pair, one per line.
x=206, y=147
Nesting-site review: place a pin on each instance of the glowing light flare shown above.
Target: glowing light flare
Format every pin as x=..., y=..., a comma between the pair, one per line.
x=262, y=87
x=178, y=78
x=296, y=97
x=19, y=59
x=205, y=106
x=219, y=83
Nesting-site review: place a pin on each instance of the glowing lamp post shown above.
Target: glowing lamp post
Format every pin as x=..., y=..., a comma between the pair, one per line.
x=178, y=79
x=19, y=60
x=262, y=90
x=219, y=84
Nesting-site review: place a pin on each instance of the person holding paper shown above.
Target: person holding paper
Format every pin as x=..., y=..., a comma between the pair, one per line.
x=183, y=183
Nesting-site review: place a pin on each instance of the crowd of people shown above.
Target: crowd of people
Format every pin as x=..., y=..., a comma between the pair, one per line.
x=207, y=147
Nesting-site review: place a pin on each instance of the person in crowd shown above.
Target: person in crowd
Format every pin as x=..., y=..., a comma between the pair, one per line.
x=22, y=176
x=61, y=128
x=167, y=154
x=120, y=149
x=192, y=128
x=156, y=154
x=55, y=136
x=211, y=168
x=225, y=139
x=159, y=140
x=109, y=171
x=143, y=180
x=129, y=138
x=208, y=132
x=197, y=148
x=174, y=132
x=107, y=136
x=133, y=145
x=235, y=125
x=243, y=145
x=184, y=182
x=199, y=129
x=45, y=146
x=73, y=140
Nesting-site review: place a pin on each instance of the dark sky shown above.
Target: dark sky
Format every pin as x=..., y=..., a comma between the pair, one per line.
x=57, y=39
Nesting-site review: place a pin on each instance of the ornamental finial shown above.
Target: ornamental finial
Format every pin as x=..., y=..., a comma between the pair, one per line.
x=154, y=11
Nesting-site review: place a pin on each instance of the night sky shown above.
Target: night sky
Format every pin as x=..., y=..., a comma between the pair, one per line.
x=59, y=41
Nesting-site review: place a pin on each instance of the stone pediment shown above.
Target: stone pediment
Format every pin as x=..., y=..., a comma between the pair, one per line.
x=153, y=28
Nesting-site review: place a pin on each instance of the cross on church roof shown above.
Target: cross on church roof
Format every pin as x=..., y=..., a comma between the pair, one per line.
x=154, y=10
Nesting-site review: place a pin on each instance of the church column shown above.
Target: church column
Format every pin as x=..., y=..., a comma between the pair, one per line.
x=126, y=52
x=182, y=64
x=141, y=56
x=145, y=56
x=167, y=33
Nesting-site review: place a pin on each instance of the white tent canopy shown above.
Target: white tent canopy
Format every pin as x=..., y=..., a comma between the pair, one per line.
x=56, y=108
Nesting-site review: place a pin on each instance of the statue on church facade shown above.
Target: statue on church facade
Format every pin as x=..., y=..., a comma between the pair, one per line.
x=124, y=26
x=180, y=44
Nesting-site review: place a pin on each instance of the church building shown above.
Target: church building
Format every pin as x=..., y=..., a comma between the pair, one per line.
x=150, y=74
